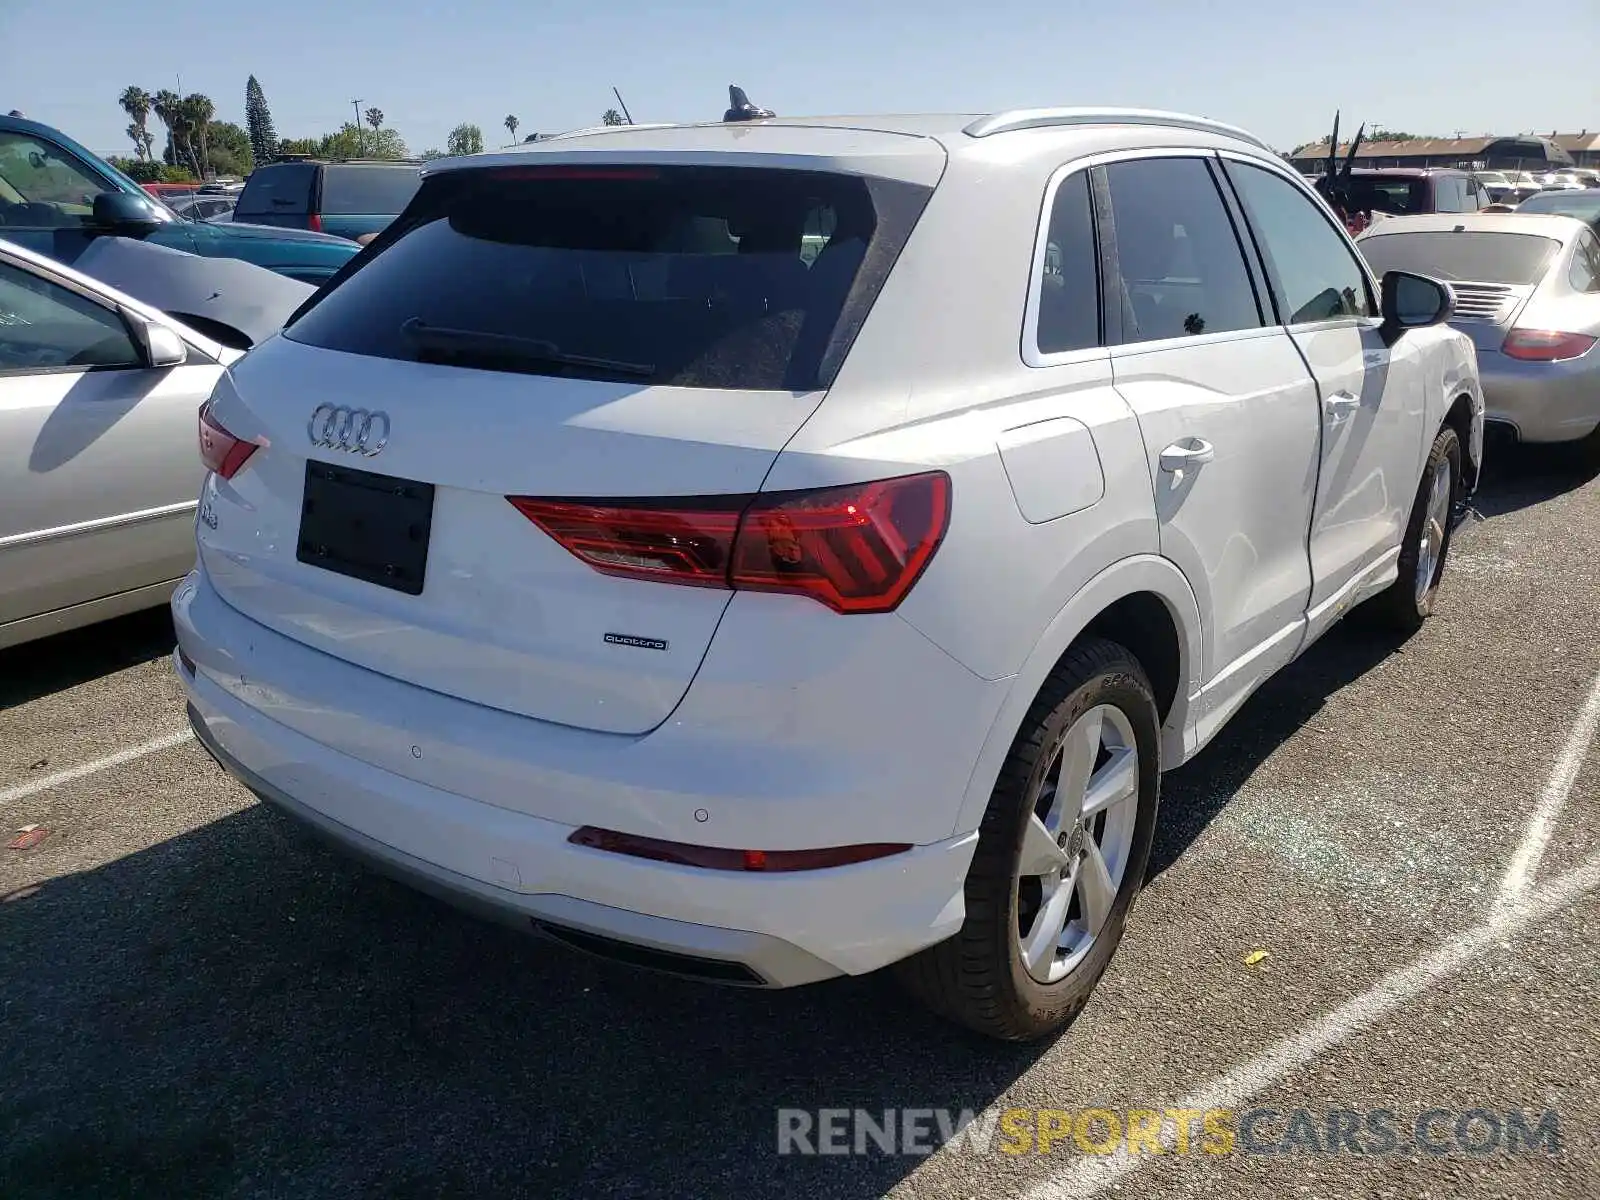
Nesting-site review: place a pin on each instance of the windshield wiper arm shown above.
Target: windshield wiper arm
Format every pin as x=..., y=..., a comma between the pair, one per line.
x=512, y=345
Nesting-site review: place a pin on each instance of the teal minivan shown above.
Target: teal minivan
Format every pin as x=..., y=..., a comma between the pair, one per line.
x=348, y=197
x=56, y=197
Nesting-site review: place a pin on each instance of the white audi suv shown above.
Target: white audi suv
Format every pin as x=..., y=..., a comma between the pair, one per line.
x=782, y=548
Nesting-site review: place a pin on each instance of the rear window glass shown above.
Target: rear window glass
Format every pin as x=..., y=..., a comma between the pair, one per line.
x=1583, y=205
x=1395, y=195
x=284, y=188
x=1514, y=258
x=379, y=190
x=695, y=277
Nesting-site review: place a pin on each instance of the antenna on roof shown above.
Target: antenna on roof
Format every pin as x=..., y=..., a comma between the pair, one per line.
x=740, y=108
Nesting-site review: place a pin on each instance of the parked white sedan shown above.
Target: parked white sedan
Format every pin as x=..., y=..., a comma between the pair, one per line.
x=98, y=400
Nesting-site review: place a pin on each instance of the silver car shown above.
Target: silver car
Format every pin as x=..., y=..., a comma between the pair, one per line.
x=99, y=395
x=1528, y=294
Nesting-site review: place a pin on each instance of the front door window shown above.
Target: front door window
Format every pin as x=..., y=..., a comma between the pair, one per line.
x=42, y=187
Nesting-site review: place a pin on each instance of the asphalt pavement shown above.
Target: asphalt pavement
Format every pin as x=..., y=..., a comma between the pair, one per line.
x=1367, y=959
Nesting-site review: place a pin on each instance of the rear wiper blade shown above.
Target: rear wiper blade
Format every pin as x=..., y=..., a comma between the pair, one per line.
x=511, y=345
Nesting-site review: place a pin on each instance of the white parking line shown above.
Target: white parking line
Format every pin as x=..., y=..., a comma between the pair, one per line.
x=1519, y=875
x=43, y=784
x=1521, y=904
x=1091, y=1176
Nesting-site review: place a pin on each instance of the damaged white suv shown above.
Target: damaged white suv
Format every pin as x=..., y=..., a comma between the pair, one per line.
x=777, y=549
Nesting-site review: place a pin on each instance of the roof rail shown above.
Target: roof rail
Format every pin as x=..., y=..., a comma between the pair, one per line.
x=587, y=130
x=1045, y=118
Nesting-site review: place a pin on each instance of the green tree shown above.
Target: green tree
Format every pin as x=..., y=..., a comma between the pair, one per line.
x=199, y=110
x=230, y=149
x=258, y=118
x=511, y=124
x=374, y=117
x=611, y=117
x=465, y=139
x=431, y=153
x=166, y=105
x=352, y=142
x=136, y=102
x=147, y=170
x=305, y=146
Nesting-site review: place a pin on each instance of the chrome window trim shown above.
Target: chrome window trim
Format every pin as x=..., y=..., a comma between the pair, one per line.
x=1031, y=354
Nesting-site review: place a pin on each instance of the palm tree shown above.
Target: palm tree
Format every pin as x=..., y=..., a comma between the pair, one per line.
x=198, y=111
x=135, y=101
x=511, y=124
x=611, y=117
x=167, y=106
x=374, y=118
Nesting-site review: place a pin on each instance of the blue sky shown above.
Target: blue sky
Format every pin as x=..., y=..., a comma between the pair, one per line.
x=1277, y=68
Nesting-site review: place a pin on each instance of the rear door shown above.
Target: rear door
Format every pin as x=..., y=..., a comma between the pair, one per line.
x=1228, y=412
x=1371, y=395
x=604, y=336
x=278, y=194
x=97, y=470
x=363, y=198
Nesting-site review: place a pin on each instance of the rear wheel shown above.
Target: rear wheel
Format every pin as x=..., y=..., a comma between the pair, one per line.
x=1061, y=854
x=1409, y=600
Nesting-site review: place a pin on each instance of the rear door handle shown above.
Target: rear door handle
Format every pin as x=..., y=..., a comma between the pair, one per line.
x=1190, y=452
x=1341, y=405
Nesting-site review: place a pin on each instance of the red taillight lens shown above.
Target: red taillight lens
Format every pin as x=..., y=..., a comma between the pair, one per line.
x=716, y=858
x=688, y=543
x=857, y=548
x=220, y=450
x=1545, y=345
x=314, y=222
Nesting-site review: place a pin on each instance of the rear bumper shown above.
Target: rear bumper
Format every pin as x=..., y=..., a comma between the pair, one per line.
x=1544, y=402
x=768, y=930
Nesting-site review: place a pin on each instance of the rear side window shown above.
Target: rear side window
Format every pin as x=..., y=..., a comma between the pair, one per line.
x=368, y=190
x=738, y=278
x=1396, y=195
x=1182, y=271
x=1069, y=304
x=284, y=188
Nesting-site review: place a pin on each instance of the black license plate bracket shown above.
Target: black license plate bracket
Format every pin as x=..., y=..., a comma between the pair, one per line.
x=370, y=527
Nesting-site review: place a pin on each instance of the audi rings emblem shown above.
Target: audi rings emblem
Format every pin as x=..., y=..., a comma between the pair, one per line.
x=353, y=430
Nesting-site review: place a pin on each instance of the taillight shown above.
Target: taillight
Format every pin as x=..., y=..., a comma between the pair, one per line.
x=857, y=548
x=220, y=450
x=1545, y=345
x=716, y=858
x=314, y=222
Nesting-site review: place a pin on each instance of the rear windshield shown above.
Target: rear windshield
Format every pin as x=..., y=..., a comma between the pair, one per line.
x=740, y=278
x=1476, y=257
x=384, y=191
x=1396, y=195
x=1583, y=205
x=282, y=188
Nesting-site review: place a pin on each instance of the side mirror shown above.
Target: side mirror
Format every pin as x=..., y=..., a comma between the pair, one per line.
x=1414, y=301
x=160, y=345
x=125, y=215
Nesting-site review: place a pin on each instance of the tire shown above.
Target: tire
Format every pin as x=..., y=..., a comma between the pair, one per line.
x=1408, y=602
x=981, y=978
